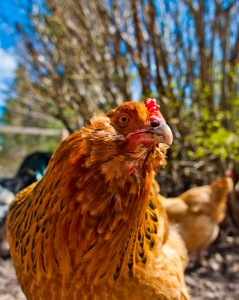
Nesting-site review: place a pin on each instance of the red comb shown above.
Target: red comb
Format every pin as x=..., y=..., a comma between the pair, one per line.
x=152, y=106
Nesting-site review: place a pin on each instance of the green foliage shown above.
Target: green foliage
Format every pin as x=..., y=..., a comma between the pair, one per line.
x=209, y=137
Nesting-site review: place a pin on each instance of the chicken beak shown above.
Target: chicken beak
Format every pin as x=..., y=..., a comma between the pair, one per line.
x=152, y=135
x=163, y=133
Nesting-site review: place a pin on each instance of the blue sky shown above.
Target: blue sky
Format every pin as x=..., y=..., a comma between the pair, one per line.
x=11, y=11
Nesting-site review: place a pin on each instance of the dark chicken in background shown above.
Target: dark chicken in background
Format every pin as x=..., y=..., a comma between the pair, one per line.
x=31, y=169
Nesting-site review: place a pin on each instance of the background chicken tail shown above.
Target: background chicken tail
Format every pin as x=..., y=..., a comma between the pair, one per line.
x=221, y=188
x=232, y=219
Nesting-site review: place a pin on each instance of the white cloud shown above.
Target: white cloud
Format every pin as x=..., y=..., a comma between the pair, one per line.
x=8, y=65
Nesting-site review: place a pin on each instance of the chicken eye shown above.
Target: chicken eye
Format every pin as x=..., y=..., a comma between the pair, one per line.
x=123, y=120
x=154, y=123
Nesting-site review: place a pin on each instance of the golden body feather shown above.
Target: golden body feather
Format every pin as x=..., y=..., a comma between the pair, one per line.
x=91, y=228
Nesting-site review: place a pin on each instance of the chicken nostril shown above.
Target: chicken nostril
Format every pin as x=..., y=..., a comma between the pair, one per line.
x=154, y=123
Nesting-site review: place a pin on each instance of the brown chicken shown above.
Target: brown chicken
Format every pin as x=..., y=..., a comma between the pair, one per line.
x=91, y=228
x=199, y=211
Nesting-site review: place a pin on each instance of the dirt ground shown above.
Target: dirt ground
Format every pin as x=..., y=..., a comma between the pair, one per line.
x=218, y=280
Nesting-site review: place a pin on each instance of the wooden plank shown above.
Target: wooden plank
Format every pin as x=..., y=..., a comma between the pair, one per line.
x=29, y=130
